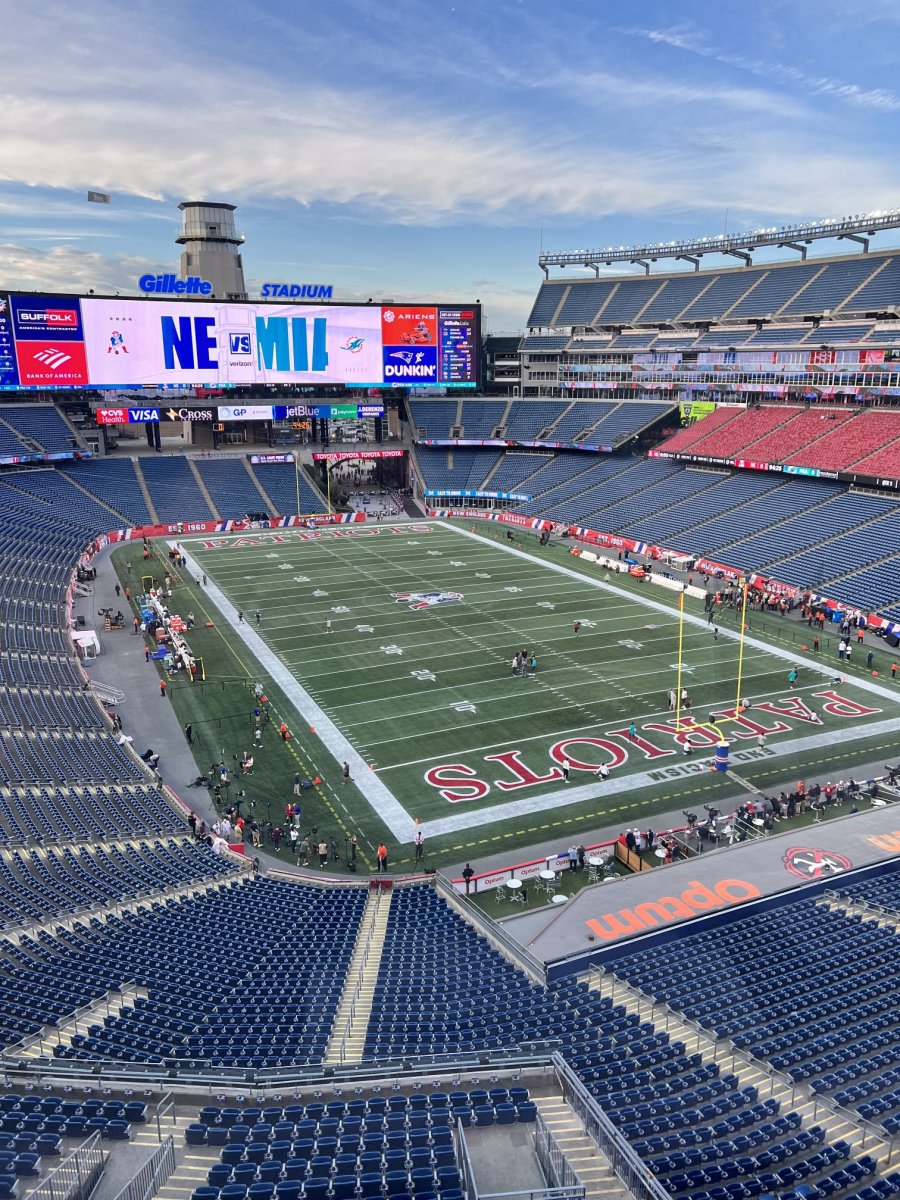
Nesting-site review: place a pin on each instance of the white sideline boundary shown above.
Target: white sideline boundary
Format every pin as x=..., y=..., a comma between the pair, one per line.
x=392, y=812
x=380, y=798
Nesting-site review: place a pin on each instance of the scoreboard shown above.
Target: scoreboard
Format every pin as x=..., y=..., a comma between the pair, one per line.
x=64, y=341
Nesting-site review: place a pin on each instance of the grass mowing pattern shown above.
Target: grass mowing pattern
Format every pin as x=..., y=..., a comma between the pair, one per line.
x=416, y=689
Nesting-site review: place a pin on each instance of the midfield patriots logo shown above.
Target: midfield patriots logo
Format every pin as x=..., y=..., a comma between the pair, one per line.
x=416, y=600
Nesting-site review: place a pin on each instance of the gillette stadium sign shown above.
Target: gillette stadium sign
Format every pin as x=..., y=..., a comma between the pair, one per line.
x=297, y=291
x=171, y=285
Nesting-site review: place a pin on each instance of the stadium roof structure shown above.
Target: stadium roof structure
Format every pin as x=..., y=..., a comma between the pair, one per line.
x=858, y=228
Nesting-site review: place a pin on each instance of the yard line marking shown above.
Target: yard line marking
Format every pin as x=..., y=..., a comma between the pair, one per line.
x=698, y=622
x=596, y=726
x=379, y=796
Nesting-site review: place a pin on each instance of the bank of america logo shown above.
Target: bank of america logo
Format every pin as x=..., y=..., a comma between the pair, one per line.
x=54, y=359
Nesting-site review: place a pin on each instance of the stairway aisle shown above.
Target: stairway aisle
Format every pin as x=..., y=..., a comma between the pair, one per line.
x=348, y=1033
x=587, y=1160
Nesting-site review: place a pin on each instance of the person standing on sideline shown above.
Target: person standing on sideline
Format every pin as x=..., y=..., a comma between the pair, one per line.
x=572, y=855
x=258, y=616
x=565, y=769
x=162, y=689
x=532, y=664
x=323, y=853
x=715, y=633
x=467, y=874
x=420, y=845
x=382, y=855
x=135, y=625
x=189, y=733
x=240, y=616
x=296, y=783
x=346, y=772
x=354, y=842
x=118, y=591
x=761, y=741
x=792, y=677
x=328, y=625
x=146, y=654
x=632, y=731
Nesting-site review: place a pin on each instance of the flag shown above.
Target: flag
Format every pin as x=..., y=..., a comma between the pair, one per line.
x=98, y=198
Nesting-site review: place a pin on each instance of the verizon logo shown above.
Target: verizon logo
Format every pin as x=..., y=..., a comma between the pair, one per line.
x=54, y=359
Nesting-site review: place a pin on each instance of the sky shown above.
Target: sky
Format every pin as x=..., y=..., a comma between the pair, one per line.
x=412, y=150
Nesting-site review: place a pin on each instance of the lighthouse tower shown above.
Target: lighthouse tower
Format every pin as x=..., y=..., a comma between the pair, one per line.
x=211, y=248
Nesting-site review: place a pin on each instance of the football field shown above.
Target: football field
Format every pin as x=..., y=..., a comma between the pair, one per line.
x=395, y=643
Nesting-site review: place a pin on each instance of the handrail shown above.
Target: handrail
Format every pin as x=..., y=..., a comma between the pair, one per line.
x=125, y=991
x=76, y=1176
x=199, y=1073
x=165, y=1107
x=152, y=1175
x=618, y=1152
x=804, y=1090
x=558, y=1171
x=494, y=932
x=361, y=970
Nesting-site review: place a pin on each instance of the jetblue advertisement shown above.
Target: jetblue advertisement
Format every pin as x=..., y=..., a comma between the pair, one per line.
x=69, y=341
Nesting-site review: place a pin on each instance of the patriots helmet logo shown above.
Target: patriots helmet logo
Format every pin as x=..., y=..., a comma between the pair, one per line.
x=417, y=600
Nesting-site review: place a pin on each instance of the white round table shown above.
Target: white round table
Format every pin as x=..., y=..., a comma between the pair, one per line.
x=595, y=861
x=661, y=853
x=548, y=876
x=514, y=890
x=514, y=884
x=558, y=899
x=758, y=821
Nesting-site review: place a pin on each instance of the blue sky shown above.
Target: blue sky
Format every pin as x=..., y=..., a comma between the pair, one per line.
x=412, y=150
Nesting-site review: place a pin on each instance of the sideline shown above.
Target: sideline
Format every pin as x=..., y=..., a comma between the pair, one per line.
x=395, y=816
x=380, y=798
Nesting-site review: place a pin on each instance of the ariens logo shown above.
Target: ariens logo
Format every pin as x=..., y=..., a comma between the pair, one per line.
x=171, y=285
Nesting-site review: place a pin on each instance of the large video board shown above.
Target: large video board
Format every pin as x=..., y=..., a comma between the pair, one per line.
x=57, y=341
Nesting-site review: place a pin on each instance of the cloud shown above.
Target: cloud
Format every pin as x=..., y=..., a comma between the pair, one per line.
x=695, y=41
x=181, y=118
x=167, y=124
x=600, y=87
x=65, y=269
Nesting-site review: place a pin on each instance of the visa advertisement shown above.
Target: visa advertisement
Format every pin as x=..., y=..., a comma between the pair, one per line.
x=71, y=342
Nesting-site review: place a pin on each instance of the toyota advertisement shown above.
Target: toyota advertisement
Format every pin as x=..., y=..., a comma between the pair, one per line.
x=78, y=342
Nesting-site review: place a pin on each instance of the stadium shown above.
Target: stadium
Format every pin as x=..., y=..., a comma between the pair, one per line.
x=342, y=699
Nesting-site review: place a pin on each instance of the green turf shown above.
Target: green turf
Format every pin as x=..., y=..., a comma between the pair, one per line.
x=413, y=690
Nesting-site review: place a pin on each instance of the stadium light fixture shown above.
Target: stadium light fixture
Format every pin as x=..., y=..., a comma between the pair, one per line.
x=720, y=243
